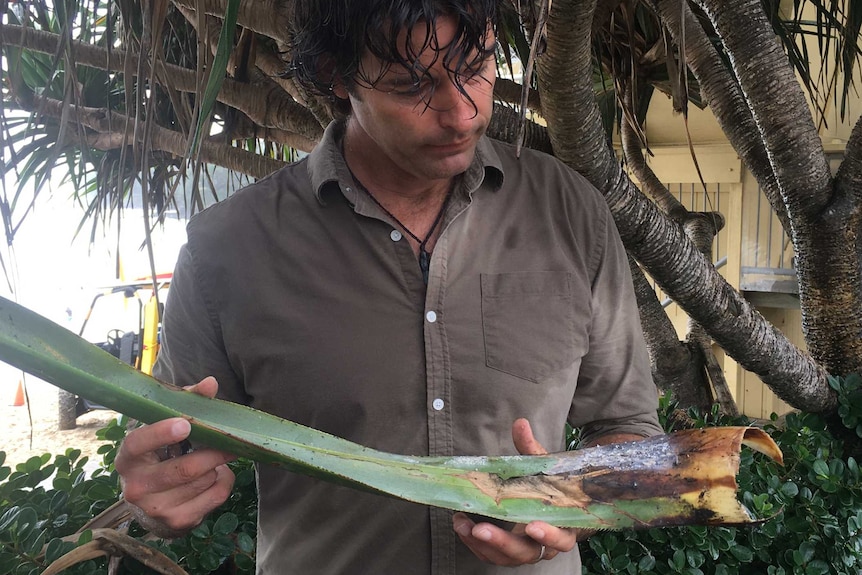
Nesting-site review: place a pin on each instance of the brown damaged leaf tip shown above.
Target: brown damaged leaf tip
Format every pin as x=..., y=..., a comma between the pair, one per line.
x=685, y=478
x=759, y=441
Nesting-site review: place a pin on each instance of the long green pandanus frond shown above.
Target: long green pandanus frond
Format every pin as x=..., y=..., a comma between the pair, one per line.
x=685, y=478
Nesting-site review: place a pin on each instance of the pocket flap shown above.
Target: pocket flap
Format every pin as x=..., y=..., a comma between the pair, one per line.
x=528, y=323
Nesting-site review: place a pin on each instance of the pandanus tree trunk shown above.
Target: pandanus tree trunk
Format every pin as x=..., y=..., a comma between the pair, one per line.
x=658, y=243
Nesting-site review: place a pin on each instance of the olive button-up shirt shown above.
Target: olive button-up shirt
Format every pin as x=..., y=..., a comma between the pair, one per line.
x=305, y=300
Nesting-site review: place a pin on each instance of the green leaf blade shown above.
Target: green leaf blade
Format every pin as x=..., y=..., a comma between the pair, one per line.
x=635, y=491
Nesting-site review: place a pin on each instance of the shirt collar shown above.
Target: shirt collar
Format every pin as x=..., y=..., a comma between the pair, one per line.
x=490, y=164
x=328, y=170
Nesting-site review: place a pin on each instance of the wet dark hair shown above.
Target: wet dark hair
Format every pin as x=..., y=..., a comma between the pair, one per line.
x=329, y=38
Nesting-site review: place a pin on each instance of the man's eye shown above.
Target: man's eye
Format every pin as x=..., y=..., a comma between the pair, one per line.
x=476, y=74
x=413, y=89
x=473, y=79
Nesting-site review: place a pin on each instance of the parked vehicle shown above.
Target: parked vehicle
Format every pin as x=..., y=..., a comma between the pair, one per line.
x=132, y=312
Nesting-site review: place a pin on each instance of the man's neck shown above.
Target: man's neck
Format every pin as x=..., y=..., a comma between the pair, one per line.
x=418, y=209
x=403, y=195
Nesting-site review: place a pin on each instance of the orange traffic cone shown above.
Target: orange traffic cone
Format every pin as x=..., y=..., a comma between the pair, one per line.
x=19, y=395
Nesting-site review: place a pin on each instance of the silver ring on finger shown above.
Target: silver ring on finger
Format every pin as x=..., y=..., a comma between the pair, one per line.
x=541, y=554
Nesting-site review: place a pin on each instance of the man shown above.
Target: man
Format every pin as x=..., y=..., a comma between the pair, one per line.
x=411, y=286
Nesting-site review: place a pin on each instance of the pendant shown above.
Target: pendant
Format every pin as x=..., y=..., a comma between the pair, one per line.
x=424, y=263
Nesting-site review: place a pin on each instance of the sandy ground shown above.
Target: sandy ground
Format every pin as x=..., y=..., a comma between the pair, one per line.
x=22, y=440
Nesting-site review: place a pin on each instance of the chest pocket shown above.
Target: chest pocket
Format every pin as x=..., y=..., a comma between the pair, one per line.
x=528, y=323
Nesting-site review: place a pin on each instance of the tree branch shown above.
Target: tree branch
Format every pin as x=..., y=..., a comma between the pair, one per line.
x=849, y=175
x=777, y=104
x=510, y=92
x=504, y=127
x=824, y=219
x=577, y=133
x=725, y=99
x=267, y=17
x=266, y=105
x=163, y=139
x=245, y=128
x=649, y=182
x=674, y=367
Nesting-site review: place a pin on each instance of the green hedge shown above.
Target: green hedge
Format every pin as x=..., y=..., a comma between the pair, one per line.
x=812, y=506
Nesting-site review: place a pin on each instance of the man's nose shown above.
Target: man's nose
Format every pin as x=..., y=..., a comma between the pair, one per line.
x=453, y=106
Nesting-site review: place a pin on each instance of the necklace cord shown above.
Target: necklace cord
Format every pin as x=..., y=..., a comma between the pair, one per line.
x=424, y=255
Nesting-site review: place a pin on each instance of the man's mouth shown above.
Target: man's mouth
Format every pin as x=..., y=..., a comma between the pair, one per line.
x=452, y=146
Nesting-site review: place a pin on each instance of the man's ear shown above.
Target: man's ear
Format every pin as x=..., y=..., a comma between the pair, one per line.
x=339, y=89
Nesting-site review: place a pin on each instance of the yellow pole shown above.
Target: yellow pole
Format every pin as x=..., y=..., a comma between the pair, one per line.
x=150, y=343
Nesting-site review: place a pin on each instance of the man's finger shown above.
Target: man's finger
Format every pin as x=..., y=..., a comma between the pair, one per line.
x=463, y=526
x=525, y=443
x=183, y=476
x=218, y=492
x=187, y=469
x=150, y=438
x=498, y=546
x=208, y=387
x=553, y=538
x=163, y=503
x=179, y=512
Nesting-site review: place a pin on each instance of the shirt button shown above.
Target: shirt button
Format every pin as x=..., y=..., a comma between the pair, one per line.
x=395, y=235
x=437, y=404
x=431, y=317
x=347, y=189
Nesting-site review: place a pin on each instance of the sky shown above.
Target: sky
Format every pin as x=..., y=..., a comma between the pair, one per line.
x=57, y=275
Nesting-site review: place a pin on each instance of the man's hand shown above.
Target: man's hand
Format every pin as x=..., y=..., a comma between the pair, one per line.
x=524, y=544
x=172, y=496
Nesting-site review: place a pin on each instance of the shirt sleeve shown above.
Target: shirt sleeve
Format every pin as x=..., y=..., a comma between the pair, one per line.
x=191, y=346
x=615, y=391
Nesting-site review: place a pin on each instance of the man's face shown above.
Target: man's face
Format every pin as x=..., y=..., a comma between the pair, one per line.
x=420, y=132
